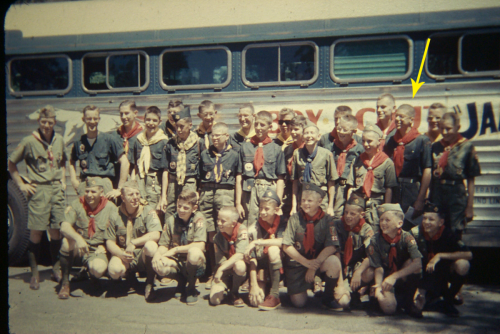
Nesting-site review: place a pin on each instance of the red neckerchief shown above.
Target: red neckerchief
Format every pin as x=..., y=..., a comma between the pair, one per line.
x=443, y=160
x=290, y=161
x=393, y=252
x=309, y=235
x=348, y=248
x=436, y=237
x=392, y=126
x=343, y=155
x=399, y=151
x=231, y=239
x=91, y=214
x=136, y=129
x=378, y=159
x=270, y=229
x=258, y=161
x=334, y=134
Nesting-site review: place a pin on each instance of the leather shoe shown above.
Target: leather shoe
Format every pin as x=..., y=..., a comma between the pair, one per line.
x=35, y=283
x=149, y=293
x=64, y=292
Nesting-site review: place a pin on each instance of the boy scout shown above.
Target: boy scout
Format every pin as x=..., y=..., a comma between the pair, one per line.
x=247, y=130
x=262, y=164
x=207, y=112
x=218, y=166
x=174, y=106
x=132, y=238
x=354, y=238
x=436, y=111
x=445, y=259
x=145, y=155
x=230, y=242
x=43, y=153
x=130, y=128
x=264, y=253
x=394, y=255
x=83, y=229
x=297, y=126
x=310, y=242
x=454, y=159
x=327, y=139
x=313, y=164
x=372, y=174
x=182, y=242
x=98, y=153
x=411, y=153
x=285, y=119
x=181, y=159
x=386, y=106
x=345, y=149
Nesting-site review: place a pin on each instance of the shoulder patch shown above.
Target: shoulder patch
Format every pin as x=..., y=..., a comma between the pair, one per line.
x=199, y=223
x=371, y=249
x=410, y=240
x=154, y=214
x=370, y=233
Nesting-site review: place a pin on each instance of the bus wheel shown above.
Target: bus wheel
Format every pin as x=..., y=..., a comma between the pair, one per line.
x=17, y=220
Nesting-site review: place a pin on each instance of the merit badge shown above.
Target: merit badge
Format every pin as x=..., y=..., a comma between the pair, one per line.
x=83, y=163
x=208, y=175
x=42, y=167
x=297, y=245
x=172, y=165
x=82, y=148
x=248, y=166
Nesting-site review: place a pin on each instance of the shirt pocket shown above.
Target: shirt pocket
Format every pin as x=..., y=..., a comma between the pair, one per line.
x=42, y=163
x=270, y=164
x=102, y=159
x=412, y=158
x=156, y=160
x=378, y=181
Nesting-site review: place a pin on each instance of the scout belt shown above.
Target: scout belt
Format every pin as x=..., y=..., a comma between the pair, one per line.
x=407, y=180
x=213, y=185
x=449, y=182
x=46, y=182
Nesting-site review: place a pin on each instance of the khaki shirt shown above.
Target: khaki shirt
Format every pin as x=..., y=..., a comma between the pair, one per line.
x=384, y=176
x=40, y=168
x=76, y=215
x=323, y=166
x=378, y=251
x=360, y=242
x=222, y=245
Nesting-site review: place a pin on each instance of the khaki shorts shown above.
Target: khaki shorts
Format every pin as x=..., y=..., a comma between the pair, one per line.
x=150, y=188
x=46, y=207
x=296, y=279
x=108, y=186
x=181, y=269
x=212, y=201
x=91, y=256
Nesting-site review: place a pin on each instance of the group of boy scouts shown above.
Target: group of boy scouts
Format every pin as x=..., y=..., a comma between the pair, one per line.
x=165, y=201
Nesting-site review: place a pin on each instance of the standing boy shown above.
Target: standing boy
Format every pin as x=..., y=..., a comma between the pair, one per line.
x=436, y=111
x=43, y=153
x=230, y=242
x=386, y=106
x=247, y=130
x=130, y=128
x=327, y=139
x=285, y=119
x=174, y=106
x=207, y=112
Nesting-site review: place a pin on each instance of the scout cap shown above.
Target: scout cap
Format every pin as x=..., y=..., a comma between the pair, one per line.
x=356, y=200
x=131, y=184
x=431, y=207
x=374, y=128
x=381, y=209
x=94, y=182
x=47, y=112
x=184, y=113
x=270, y=193
x=313, y=187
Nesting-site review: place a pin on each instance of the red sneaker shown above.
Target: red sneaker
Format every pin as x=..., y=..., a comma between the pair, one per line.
x=270, y=303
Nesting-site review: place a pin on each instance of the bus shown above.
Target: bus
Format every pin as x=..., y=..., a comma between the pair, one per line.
x=310, y=56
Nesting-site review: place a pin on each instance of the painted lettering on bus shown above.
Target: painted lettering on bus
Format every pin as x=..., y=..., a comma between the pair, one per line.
x=487, y=200
x=487, y=189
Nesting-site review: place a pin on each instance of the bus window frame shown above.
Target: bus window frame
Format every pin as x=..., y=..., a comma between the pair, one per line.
x=372, y=79
x=439, y=77
x=41, y=92
x=108, y=54
x=280, y=82
x=226, y=83
x=465, y=73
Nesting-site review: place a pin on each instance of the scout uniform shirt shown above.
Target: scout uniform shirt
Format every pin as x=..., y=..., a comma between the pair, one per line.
x=274, y=164
x=325, y=235
x=226, y=167
x=100, y=158
x=205, y=138
x=323, y=166
x=146, y=222
x=76, y=215
x=351, y=155
x=176, y=232
x=222, y=245
x=417, y=156
x=192, y=158
x=43, y=162
x=378, y=251
x=384, y=176
x=236, y=140
x=327, y=139
x=462, y=162
x=260, y=233
x=168, y=129
x=157, y=149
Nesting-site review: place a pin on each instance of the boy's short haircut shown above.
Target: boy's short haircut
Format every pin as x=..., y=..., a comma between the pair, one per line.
x=153, y=110
x=90, y=107
x=248, y=106
x=220, y=126
x=189, y=196
x=231, y=212
x=47, y=112
x=286, y=111
x=398, y=214
x=387, y=95
x=343, y=110
x=311, y=125
x=299, y=120
x=205, y=105
x=309, y=192
x=265, y=115
x=410, y=111
x=451, y=115
x=351, y=120
x=267, y=200
x=175, y=103
x=437, y=105
x=128, y=103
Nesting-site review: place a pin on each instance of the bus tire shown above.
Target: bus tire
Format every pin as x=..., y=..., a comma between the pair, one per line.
x=19, y=234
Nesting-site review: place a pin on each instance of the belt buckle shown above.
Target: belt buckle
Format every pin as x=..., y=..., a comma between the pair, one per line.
x=443, y=181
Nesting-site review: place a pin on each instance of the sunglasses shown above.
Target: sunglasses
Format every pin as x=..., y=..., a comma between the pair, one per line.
x=282, y=122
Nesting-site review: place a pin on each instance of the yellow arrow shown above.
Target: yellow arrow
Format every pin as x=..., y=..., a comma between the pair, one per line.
x=416, y=85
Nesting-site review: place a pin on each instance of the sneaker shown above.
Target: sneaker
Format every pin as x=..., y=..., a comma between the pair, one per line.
x=245, y=287
x=236, y=301
x=180, y=291
x=270, y=303
x=165, y=281
x=149, y=293
x=331, y=305
x=450, y=310
x=208, y=285
x=192, y=297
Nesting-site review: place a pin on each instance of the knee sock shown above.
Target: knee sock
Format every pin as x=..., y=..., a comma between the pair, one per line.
x=55, y=246
x=150, y=273
x=66, y=264
x=33, y=256
x=274, y=272
x=411, y=286
x=191, y=276
x=456, y=283
x=237, y=281
x=211, y=257
x=330, y=284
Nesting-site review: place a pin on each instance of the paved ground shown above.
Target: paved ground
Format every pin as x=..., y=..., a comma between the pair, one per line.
x=121, y=312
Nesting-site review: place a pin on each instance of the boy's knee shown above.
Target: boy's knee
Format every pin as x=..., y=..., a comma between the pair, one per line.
x=368, y=274
x=66, y=245
x=332, y=266
x=240, y=268
x=461, y=267
x=216, y=297
x=299, y=300
x=273, y=253
x=150, y=248
x=344, y=301
x=97, y=268
x=194, y=255
x=116, y=270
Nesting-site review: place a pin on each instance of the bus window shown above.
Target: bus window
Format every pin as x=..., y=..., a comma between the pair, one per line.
x=371, y=59
x=195, y=68
x=272, y=64
x=442, y=55
x=115, y=71
x=480, y=53
x=40, y=75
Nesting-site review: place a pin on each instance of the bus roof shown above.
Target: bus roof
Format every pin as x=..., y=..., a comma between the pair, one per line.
x=117, y=24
